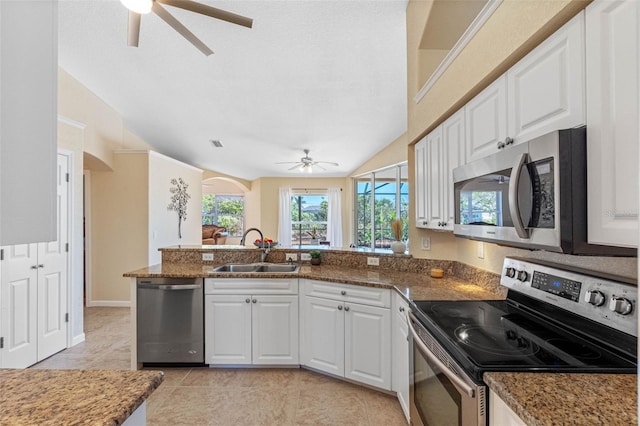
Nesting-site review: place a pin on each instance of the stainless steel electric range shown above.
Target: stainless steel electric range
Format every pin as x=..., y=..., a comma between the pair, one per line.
x=555, y=319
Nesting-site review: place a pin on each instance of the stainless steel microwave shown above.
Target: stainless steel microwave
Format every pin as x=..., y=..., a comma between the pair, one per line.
x=531, y=195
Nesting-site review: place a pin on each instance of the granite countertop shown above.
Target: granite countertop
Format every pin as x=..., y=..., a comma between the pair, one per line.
x=63, y=397
x=411, y=285
x=568, y=398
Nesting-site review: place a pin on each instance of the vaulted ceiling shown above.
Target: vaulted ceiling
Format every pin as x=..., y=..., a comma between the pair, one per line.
x=328, y=76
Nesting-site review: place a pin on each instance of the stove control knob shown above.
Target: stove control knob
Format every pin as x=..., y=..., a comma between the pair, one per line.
x=595, y=297
x=522, y=276
x=510, y=272
x=621, y=305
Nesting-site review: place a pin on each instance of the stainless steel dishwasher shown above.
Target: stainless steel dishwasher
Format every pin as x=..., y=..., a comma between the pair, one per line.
x=170, y=320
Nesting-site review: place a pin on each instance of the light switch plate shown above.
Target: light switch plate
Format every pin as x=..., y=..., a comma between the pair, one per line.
x=480, y=250
x=426, y=243
x=207, y=256
x=373, y=261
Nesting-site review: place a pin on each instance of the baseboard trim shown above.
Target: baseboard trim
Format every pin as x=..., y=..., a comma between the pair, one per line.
x=109, y=304
x=78, y=339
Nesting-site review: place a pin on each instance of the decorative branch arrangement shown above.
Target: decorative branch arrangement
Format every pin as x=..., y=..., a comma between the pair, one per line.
x=179, y=200
x=396, y=226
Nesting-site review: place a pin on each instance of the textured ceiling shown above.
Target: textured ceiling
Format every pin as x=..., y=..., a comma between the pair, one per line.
x=329, y=76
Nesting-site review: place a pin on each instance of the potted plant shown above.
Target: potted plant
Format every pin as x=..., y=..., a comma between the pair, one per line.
x=314, y=235
x=398, y=247
x=315, y=257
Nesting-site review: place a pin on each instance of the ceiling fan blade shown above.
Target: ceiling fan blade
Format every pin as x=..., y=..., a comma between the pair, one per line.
x=133, y=30
x=176, y=25
x=327, y=162
x=295, y=167
x=210, y=11
x=318, y=165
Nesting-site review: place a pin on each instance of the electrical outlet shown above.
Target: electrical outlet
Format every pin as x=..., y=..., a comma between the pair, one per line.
x=373, y=261
x=207, y=256
x=426, y=243
x=305, y=256
x=291, y=256
x=480, y=250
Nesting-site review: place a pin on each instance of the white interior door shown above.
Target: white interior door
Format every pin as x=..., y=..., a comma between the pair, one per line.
x=19, y=301
x=53, y=273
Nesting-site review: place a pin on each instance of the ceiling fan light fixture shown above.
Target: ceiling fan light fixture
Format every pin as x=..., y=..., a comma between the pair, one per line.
x=138, y=6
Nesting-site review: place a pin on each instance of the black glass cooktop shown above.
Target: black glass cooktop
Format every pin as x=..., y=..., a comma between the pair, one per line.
x=498, y=336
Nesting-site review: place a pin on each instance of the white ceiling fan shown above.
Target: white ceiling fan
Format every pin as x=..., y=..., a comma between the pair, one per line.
x=139, y=7
x=307, y=163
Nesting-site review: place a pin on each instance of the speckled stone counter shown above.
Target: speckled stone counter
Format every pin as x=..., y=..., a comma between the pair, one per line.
x=414, y=286
x=542, y=399
x=78, y=397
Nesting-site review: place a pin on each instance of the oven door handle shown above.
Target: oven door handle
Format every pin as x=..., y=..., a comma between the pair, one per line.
x=427, y=353
x=514, y=203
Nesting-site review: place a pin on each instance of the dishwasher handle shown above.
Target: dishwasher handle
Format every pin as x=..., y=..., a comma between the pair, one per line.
x=171, y=286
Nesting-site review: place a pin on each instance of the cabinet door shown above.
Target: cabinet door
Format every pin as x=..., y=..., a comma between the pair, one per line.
x=612, y=118
x=367, y=349
x=323, y=335
x=275, y=330
x=421, y=192
x=500, y=414
x=227, y=329
x=486, y=120
x=400, y=352
x=546, y=88
x=453, y=155
x=434, y=179
x=19, y=297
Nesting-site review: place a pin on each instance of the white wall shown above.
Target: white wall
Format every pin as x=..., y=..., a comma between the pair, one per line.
x=163, y=224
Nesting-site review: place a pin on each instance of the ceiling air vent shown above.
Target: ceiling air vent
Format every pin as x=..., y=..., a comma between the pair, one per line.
x=216, y=143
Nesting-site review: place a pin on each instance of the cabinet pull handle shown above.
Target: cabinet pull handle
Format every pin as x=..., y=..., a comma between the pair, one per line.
x=401, y=308
x=339, y=307
x=41, y=265
x=346, y=308
x=34, y=266
x=501, y=145
x=508, y=141
x=343, y=292
x=247, y=300
x=254, y=301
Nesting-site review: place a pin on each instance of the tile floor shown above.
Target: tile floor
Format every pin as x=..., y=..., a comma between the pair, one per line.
x=212, y=396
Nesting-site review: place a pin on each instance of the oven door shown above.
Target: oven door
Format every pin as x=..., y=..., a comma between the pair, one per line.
x=440, y=393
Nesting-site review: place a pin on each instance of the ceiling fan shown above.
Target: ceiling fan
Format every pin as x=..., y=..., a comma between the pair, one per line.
x=139, y=7
x=307, y=163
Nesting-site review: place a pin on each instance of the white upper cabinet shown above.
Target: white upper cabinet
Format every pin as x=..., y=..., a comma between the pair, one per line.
x=543, y=92
x=486, y=120
x=546, y=88
x=453, y=155
x=437, y=155
x=612, y=117
x=28, y=121
x=421, y=168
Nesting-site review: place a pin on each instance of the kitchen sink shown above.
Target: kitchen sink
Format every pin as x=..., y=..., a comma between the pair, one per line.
x=258, y=267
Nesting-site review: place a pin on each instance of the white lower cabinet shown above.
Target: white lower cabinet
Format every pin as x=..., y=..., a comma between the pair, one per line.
x=251, y=328
x=400, y=352
x=344, y=338
x=500, y=414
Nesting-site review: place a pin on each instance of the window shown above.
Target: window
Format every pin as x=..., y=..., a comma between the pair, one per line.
x=224, y=210
x=381, y=196
x=309, y=213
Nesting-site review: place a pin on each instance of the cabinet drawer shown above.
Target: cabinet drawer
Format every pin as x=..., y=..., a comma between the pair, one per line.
x=348, y=293
x=251, y=286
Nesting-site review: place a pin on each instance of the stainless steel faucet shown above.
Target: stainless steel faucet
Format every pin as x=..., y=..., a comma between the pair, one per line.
x=265, y=250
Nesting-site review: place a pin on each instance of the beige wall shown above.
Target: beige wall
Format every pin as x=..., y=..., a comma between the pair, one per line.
x=394, y=153
x=119, y=226
x=163, y=224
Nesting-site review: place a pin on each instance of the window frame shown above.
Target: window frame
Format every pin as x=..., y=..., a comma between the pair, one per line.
x=300, y=223
x=224, y=197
